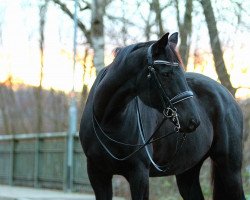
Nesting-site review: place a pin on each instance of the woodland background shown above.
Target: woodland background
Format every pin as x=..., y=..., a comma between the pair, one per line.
x=208, y=30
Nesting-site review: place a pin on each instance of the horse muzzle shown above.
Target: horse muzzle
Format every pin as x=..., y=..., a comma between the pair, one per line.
x=191, y=126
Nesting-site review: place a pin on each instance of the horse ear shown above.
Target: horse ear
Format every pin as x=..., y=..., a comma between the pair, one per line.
x=173, y=39
x=160, y=44
x=116, y=51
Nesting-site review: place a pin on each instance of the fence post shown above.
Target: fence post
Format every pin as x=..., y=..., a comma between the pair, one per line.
x=72, y=115
x=36, y=161
x=70, y=142
x=12, y=155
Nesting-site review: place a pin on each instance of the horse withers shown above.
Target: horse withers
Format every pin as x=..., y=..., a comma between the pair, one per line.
x=146, y=117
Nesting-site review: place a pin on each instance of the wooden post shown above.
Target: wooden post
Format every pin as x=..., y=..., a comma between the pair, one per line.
x=36, y=161
x=12, y=158
x=72, y=117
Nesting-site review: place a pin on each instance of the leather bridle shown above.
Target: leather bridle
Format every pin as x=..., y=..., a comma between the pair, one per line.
x=169, y=110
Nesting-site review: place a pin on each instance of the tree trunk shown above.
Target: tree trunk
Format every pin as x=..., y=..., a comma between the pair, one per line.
x=84, y=95
x=4, y=110
x=158, y=18
x=185, y=30
x=13, y=116
x=97, y=33
x=38, y=92
x=216, y=46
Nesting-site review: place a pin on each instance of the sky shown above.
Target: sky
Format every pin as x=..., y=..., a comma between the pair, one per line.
x=20, y=57
x=20, y=48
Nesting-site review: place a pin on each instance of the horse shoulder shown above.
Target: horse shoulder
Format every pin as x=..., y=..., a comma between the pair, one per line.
x=222, y=108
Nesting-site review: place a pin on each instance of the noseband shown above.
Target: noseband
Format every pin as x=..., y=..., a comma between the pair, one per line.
x=169, y=110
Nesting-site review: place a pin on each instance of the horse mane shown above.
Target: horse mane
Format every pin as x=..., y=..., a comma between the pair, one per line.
x=120, y=50
x=120, y=53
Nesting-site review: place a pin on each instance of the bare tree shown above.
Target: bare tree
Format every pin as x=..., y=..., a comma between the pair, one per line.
x=39, y=99
x=148, y=24
x=97, y=30
x=4, y=110
x=12, y=114
x=39, y=89
x=185, y=27
x=67, y=11
x=220, y=66
x=95, y=35
x=84, y=94
x=185, y=30
x=156, y=7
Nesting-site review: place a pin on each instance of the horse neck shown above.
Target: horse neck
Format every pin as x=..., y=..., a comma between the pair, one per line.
x=111, y=96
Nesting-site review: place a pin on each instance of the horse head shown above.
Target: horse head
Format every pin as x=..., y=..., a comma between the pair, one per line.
x=162, y=84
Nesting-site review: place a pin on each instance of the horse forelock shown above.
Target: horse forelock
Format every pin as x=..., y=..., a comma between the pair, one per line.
x=174, y=55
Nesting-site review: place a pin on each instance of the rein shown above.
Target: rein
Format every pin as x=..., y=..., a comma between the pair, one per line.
x=145, y=143
x=161, y=168
x=140, y=146
x=169, y=112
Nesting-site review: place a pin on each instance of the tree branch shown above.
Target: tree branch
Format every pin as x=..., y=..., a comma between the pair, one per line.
x=178, y=14
x=81, y=26
x=121, y=19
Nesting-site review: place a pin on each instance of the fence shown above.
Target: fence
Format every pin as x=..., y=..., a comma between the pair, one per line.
x=40, y=160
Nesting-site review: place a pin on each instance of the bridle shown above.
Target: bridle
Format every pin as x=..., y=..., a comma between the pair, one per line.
x=169, y=112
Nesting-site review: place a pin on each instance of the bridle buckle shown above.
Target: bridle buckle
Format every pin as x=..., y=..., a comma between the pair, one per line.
x=171, y=113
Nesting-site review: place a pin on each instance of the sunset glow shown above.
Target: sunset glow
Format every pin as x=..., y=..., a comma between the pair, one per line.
x=24, y=67
x=20, y=54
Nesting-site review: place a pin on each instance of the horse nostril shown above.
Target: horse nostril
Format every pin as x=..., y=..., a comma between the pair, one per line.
x=193, y=124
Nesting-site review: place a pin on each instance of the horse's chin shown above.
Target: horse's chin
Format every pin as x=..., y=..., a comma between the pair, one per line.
x=182, y=130
x=190, y=129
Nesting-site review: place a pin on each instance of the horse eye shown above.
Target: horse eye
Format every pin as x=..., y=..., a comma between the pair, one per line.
x=166, y=74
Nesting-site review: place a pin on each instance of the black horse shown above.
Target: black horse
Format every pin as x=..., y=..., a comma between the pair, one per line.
x=146, y=117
